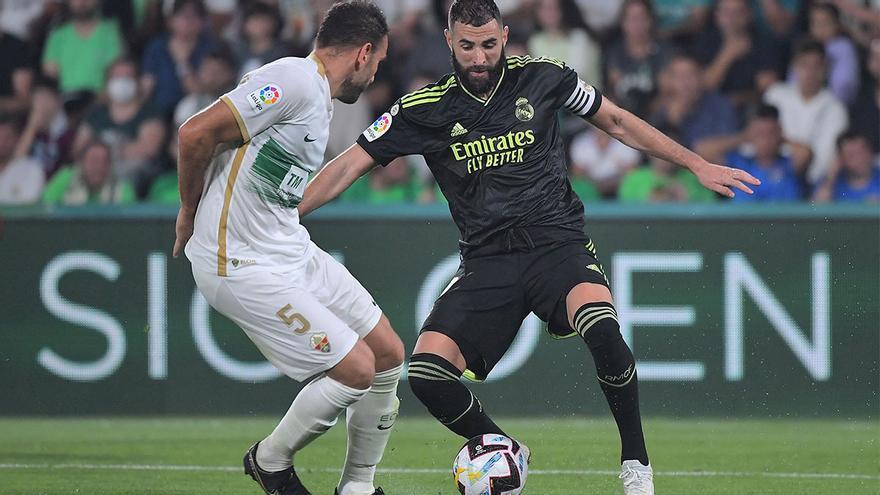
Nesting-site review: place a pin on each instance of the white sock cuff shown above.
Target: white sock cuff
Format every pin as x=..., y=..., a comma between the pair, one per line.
x=339, y=394
x=385, y=382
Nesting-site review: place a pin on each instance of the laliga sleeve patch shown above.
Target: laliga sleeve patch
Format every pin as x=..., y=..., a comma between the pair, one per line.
x=265, y=97
x=378, y=128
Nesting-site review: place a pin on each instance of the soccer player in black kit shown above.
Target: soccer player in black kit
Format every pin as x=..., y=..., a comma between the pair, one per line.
x=490, y=136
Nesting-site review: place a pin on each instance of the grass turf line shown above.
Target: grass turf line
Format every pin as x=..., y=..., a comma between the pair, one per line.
x=573, y=456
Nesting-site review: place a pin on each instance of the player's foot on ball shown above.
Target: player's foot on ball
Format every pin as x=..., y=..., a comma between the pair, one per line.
x=638, y=479
x=378, y=491
x=284, y=482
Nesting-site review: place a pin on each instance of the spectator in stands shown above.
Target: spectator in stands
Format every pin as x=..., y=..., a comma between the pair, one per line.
x=91, y=181
x=131, y=128
x=165, y=188
x=763, y=156
x=842, y=58
x=16, y=76
x=19, y=17
x=865, y=112
x=688, y=110
x=865, y=16
x=21, y=178
x=601, y=160
x=776, y=17
x=662, y=182
x=171, y=60
x=216, y=76
x=393, y=184
x=635, y=59
x=431, y=60
x=79, y=51
x=48, y=135
x=740, y=62
x=261, y=33
x=681, y=20
x=602, y=17
x=809, y=112
x=561, y=33
x=856, y=176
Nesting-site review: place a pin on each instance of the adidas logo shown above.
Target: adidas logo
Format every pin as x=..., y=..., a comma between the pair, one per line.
x=458, y=130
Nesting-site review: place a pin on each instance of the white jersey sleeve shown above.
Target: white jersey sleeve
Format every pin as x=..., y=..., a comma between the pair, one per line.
x=266, y=97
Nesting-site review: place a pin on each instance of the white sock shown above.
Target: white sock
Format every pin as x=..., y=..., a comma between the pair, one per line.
x=314, y=411
x=369, y=427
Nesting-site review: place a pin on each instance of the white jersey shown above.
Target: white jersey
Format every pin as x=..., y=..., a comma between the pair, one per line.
x=247, y=218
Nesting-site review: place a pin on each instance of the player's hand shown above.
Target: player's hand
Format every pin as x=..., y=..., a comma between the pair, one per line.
x=184, y=229
x=722, y=179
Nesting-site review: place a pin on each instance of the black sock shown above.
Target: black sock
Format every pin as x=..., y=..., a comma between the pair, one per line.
x=435, y=381
x=616, y=369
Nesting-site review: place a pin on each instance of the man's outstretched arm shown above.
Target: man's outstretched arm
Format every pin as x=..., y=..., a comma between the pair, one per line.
x=336, y=177
x=636, y=133
x=199, y=137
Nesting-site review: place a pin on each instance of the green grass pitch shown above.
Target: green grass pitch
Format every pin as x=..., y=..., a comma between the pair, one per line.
x=570, y=456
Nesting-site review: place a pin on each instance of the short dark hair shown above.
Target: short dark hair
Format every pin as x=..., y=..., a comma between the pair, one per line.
x=353, y=23
x=199, y=5
x=260, y=9
x=809, y=45
x=473, y=12
x=853, y=135
x=223, y=54
x=830, y=8
x=765, y=111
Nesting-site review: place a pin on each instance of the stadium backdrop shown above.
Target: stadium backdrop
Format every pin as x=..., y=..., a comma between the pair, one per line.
x=732, y=311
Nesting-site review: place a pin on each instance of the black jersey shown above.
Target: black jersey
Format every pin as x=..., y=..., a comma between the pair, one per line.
x=500, y=163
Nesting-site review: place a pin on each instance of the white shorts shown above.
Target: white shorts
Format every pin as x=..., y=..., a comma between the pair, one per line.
x=304, y=322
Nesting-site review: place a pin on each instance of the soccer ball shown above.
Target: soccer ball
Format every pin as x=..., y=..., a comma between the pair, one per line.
x=490, y=465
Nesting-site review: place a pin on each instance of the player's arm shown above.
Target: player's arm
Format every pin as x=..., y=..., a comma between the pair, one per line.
x=198, y=139
x=638, y=134
x=336, y=177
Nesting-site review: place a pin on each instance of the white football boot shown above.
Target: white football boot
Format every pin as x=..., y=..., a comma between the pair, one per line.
x=637, y=479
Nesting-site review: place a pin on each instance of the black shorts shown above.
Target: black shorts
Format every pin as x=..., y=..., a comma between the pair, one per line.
x=496, y=286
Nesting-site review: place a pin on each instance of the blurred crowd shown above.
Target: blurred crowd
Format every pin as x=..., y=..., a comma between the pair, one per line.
x=93, y=91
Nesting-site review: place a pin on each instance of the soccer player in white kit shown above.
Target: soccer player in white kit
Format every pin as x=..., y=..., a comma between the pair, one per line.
x=243, y=166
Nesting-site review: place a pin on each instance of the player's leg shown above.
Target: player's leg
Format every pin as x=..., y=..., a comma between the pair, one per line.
x=434, y=373
x=470, y=327
x=370, y=420
x=302, y=339
x=591, y=313
x=568, y=289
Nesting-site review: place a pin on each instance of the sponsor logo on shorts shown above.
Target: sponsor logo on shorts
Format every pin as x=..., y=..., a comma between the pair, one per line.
x=320, y=342
x=238, y=263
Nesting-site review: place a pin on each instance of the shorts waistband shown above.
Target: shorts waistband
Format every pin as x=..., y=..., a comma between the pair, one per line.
x=521, y=239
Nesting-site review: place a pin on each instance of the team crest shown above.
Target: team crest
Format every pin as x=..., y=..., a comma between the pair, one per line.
x=524, y=110
x=320, y=342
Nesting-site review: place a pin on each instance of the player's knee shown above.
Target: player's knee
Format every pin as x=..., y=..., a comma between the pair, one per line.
x=390, y=355
x=357, y=369
x=597, y=324
x=428, y=374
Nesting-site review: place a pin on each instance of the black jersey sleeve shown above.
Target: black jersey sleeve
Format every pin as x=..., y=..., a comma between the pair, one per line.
x=392, y=135
x=571, y=92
